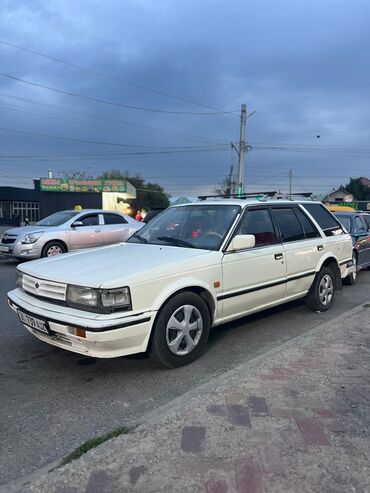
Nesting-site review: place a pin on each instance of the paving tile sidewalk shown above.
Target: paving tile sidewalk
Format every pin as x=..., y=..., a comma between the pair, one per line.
x=295, y=420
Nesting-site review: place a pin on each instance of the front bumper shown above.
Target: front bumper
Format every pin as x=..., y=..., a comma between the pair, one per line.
x=105, y=337
x=346, y=268
x=17, y=250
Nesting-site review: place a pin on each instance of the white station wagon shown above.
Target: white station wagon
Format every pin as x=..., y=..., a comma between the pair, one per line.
x=191, y=268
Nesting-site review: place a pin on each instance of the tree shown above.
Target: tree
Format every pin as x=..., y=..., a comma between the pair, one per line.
x=359, y=188
x=77, y=175
x=227, y=186
x=148, y=195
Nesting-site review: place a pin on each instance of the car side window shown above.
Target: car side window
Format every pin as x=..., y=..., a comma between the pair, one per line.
x=89, y=220
x=309, y=229
x=258, y=222
x=290, y=227
x=114, y=219
x=366, y=217
x=359, y=225
x=325, y=219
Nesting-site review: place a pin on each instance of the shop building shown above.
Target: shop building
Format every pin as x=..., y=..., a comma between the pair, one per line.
x=51, y=195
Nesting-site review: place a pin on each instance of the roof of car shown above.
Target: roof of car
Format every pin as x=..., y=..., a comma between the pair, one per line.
x=245, y=202
x=345, y=213
x=91, y=210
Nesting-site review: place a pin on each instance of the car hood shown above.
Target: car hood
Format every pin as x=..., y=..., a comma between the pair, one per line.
x=119, y=265
x=24, y=230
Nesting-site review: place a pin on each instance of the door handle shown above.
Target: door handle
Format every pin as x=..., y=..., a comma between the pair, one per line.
x=279, y=256
x=320, y=247
x=97, y=231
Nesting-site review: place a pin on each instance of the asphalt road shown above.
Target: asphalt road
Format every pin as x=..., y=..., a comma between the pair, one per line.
x=52, y=400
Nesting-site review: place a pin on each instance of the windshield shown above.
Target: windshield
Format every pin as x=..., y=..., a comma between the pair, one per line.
x=345, y=220
x=58, y=218
x=190, y=226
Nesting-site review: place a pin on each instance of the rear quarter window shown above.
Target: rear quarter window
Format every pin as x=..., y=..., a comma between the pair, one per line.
x=327, y=222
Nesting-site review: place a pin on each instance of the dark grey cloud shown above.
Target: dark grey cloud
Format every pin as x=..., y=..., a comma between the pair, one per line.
x=303, y=66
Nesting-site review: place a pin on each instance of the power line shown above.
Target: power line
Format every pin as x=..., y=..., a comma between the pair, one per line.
x=112, y=103
x=84, y=121
x=97, y=142
x=302, y=148
x=108, y=76
x=106, y=118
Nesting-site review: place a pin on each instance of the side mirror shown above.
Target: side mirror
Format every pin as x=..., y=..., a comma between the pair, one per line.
x=77, y=224
x=242, y=242
x=361, y=232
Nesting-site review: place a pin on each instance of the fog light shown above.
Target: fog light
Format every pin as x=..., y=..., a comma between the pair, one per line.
x=26, y=252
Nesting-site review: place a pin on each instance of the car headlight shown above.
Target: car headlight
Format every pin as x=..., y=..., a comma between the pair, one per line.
x=19, y=279
x=116, y=298
x=98, y=300
x=31, y=238
x=79, y=295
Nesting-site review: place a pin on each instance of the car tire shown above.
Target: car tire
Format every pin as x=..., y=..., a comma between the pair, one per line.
x=174, y=342
x=321, y=295
x=352, y=278
x=53, y=248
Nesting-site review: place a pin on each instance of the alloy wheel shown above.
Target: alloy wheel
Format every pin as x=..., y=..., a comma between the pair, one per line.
x=326, y=290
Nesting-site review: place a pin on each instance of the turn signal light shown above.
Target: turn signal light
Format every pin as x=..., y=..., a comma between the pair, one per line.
x=77, y=331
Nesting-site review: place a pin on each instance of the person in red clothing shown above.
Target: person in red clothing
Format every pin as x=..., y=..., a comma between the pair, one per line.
x=138, y=216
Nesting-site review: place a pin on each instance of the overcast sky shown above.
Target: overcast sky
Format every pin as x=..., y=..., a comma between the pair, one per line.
x=303, y=66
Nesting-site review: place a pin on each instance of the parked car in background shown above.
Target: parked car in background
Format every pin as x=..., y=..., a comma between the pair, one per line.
x=192, y=267
x=358, y=226
x=66, y=231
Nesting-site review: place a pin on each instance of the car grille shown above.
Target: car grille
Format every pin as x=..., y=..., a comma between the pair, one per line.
x=45, y=289
x=7, y=239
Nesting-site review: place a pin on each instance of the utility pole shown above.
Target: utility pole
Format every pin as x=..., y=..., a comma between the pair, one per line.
x=243, y=121
x=290, y=181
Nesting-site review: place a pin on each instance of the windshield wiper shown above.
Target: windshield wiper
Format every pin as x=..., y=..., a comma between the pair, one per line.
x=140, y=238
x=175, y=241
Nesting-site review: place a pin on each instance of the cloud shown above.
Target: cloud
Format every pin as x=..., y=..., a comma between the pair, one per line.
x=301, y=65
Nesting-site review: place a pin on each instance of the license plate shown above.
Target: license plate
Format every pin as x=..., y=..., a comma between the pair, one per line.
x=33, y=322
x=4, y=249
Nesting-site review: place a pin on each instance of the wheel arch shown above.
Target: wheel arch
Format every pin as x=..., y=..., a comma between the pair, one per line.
x=63, y=243
x=331, y=262
x=201, y=291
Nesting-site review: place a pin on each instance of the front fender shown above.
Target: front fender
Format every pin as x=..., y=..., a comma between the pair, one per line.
x=181, y=285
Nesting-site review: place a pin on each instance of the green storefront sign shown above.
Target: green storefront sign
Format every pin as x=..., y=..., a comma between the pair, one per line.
x=78, y=185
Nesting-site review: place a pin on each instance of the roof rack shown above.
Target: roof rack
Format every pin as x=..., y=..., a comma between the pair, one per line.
x=290, y=196
x=247, y=195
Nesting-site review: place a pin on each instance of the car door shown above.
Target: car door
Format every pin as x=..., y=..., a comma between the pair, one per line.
x=303, y=247
x=115, y=229
x=88, y=234
x=362, y=240
x=256, y=276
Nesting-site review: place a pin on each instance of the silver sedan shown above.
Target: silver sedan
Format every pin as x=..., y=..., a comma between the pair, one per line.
x=67, y=231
